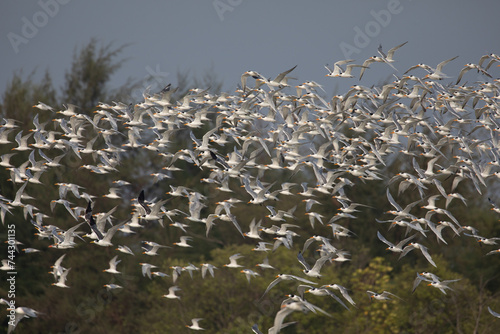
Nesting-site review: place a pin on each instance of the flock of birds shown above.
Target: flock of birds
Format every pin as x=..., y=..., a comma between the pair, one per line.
x=444, y=131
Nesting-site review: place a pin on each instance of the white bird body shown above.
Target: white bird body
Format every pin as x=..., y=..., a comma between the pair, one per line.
x=437, y=74
x=171, y=293
x=195, y=324
x=443, y=285
x=20, y=313
x=386, y=295
x=286, y=277
x=422, y=248
x=398, y=248
x=265, y=264
x=112, y=266
x=314, y=271
x=233, y=261
x=146, y=269
x=152, y=249
x=62, y=279
x=106, y=241
x=207, y=267
x=342, y=290
x=183, y=242
x=249, y=274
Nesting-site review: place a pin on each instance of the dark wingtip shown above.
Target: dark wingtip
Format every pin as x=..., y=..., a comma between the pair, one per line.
x=89, y=207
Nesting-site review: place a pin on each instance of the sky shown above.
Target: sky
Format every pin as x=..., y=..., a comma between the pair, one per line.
x=233, y=36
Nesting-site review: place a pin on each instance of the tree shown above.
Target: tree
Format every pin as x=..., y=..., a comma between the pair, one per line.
x=21, y=94
x=87, y=81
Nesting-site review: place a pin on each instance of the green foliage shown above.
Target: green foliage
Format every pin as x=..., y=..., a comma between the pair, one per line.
x=22, y=93
x=86, y=82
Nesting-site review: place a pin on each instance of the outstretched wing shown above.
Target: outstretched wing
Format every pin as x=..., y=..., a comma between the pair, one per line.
x=303, y=261
x=384, y=240
x=91, y=221
x=427, y=255
x=141, y=201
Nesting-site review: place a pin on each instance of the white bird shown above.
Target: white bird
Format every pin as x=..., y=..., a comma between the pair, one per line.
x=151, y=212
x=496, y=251
x=190, y=269
x=66, y=241
x=373, y=59
x=386, y=295
x=254, y=232
x=180, y=226
x=159, y=274
x=112, y=286
x=66, y=204
x=195, y=326
x=471, y=66
x=348, y=70
x=247, y=74
x=106, y=241
x=315, y=216
x=233, y=261
x=183, y=242
x=152, y=248
x=146, y=269
x=22, y=141
x=337, y=70
x=112, y=266
x=62, y=279
x=176, y=272
x=265, y=264
x=171, y=293
x=207, y=267
x=285, y=277
x=113, y=194
x=297, y=303
x=125, y=249
x=257, y=198
x=262, y=247
x=7, y=265
x=342, y=290
x=249, y=274
x=57, y=268
x=389, y=58
x=286, y=309
x=43, y=106
x=399, y=212
x=314, y=271
x=437, y=74
x=483, y=240
x=443, y=285
x=324, y=292
x=398, y=248
x=6, y=159
x=321, y=239
x=19, y=195
x=280, y=80
x=309, y=203
x=277, y=216
x=422, y=248
x=21, y=312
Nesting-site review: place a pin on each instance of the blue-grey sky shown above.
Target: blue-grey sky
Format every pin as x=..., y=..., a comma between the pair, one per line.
x=233, y=36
